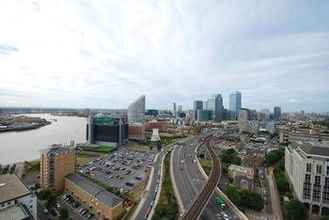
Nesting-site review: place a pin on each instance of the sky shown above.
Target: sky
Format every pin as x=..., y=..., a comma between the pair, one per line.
x=105, y=54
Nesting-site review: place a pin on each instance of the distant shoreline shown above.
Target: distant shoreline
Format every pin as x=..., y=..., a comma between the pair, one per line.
x=31, y=127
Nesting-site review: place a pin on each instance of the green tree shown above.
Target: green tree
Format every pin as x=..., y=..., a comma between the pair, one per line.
x=251, y=200
x=295, y=210
x=231, y=156
x=274, y=156
x=233, y=193
x=282, y=181
x=63, y=214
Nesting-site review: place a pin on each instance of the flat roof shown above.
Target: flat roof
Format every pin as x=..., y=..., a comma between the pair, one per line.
x=16, y=212
x=98, y=192
x=11, y=187
x=314, y=148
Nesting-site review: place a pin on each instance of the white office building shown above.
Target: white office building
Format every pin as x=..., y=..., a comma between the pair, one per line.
x=136, y=111
x=307, y=167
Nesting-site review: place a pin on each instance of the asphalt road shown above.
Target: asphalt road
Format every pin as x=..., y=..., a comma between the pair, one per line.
x=190, y=181
x=154, y=188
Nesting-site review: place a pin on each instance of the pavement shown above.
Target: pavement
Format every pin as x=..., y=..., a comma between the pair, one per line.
x=189, y=181
x=275, y=199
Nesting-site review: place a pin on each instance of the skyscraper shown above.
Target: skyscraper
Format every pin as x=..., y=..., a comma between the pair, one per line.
x=235, y=103
x=175, y=109
x=106, y=129
x=136, y=110
x=197, y=105
x=180, y=108
x=215, y=105
x=277, y=113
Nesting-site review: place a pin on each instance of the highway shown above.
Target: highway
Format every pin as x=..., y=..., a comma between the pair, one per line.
x=149, y=197
x=189, y=180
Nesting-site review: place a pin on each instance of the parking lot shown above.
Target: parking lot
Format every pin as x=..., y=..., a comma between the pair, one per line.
x=122, y=170
x=79, y=211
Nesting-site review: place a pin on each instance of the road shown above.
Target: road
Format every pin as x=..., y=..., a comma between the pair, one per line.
x=150, y=195
x=189, y=180
x=201, y=201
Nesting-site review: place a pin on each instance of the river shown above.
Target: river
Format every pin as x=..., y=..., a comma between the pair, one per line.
x=26, y=145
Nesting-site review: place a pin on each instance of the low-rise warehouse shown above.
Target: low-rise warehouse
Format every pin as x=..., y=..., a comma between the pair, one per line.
x=103, y=204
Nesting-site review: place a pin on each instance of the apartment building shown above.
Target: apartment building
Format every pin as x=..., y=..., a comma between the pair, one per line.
x=56, y=162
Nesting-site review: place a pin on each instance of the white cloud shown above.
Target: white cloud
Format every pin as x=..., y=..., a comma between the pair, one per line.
x=106, y=53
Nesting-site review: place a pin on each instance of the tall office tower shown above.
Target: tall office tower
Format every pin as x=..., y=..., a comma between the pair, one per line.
x=235, y=103
x=136, y=110
x=56, y=162
x=197, y=105
x=105, y=129
x=174, y=109
x=215, y=105
x=243, y=120
x=277, y=113
x=180, y=108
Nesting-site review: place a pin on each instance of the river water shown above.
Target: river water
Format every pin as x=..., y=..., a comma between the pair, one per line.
x=26, y=145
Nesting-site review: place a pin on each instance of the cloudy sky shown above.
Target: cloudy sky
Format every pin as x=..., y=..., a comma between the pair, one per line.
x=106, y=53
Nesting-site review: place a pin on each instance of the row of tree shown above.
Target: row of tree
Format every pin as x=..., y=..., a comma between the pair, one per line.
x=245, y=199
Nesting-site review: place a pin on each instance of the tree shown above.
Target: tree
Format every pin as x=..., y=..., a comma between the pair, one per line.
x=251, y=200
x=295, y=210
x=274, y=156
x=230, y=156
x=324, y=218
x=233, y=193
x=63, y=214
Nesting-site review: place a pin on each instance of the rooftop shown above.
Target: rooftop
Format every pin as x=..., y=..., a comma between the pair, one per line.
x=11, y=187
x=56, y=149
x=314, y=148
x=16, y=212
x=100, y=193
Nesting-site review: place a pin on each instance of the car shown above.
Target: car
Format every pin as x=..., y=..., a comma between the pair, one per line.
x=45, y=211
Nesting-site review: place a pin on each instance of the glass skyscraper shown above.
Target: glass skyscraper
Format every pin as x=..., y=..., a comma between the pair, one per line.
x=235, y=103
x=215, y=105
x=197, y=105
x=136, y=110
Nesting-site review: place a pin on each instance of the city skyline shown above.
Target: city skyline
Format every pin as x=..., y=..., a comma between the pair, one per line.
x=68, y=54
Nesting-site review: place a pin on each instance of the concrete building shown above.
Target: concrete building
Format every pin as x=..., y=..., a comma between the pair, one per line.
x=162, y=125
x=307, y=168
x=277, y=113
x=242, y=176
x=215, y=105
x=108, y=130
x=56, y=162
x=197, y=105
x=16, y=201
x=235, y=103
x=136, y=111
x=105, y=205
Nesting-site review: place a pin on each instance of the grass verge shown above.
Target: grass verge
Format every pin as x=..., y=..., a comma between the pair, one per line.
x=167, y=206
x=206, y=165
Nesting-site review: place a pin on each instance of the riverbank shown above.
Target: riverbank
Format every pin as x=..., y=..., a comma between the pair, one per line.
x=21, y=123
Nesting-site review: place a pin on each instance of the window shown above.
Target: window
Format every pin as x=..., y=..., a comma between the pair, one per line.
x=327, y=170
x=308, y=167
x=317, y=180
x=318, y=169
